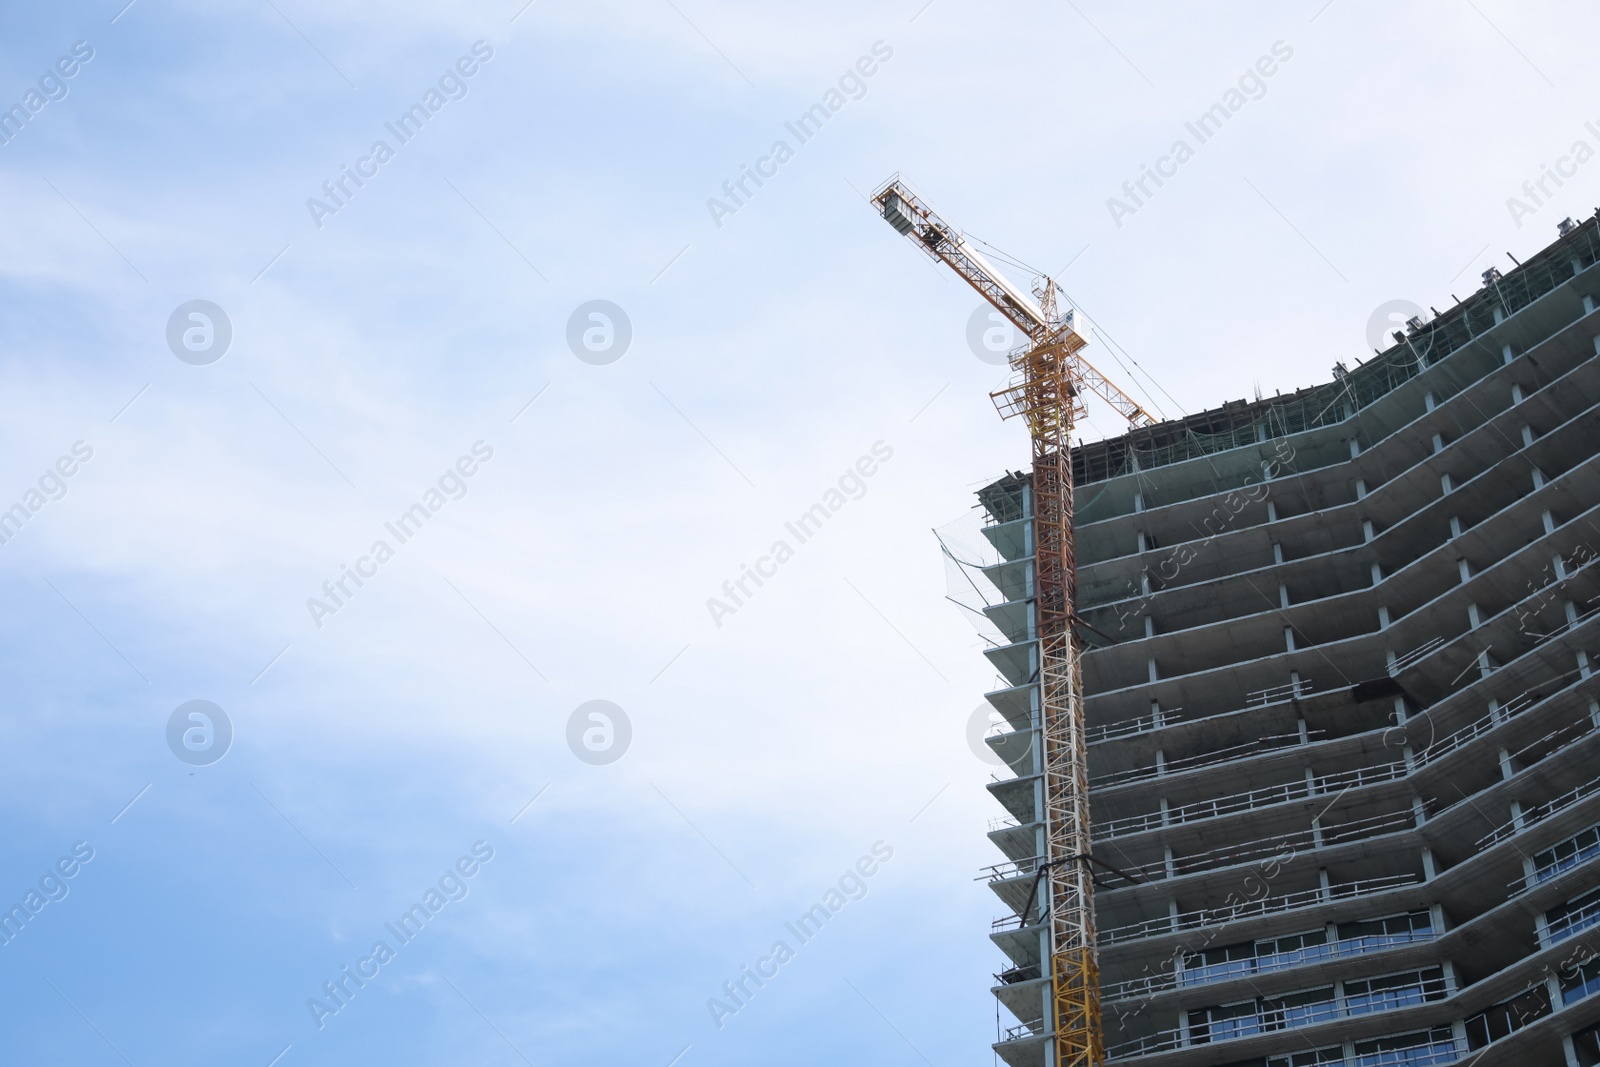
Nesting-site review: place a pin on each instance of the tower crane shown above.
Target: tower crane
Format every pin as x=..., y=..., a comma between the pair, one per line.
x=1047, y=390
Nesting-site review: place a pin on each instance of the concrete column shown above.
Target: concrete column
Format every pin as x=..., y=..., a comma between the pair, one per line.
x=1567, y=1046
x=1438, y=442
x=1527, y=436
x=1552, y=986
x=1429, y=871
x=1458, y=1034
x=1517, y=396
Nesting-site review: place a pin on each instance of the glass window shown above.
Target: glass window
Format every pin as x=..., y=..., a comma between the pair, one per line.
x=1372, y=934
x=1224, y=1023
x=1582, y=982
x=1308, y=1059
x=1219, y=964
x=1393, y=991
x=1292, y=951
x=1299, y=1009
x=1566, y=855
x=1425, y=1049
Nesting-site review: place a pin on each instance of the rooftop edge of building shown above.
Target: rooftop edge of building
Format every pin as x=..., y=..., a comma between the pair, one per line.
x=1243, y=422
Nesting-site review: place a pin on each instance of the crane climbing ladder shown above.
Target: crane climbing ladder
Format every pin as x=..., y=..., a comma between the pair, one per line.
x=1051, y=379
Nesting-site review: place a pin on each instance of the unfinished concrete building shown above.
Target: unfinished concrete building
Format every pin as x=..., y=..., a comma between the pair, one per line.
x=1344, y=729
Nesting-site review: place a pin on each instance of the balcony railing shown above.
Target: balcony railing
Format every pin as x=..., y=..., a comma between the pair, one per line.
x=1129, y=727
x=999, y=872
x=1230, y=754
x=1254, y=798
x=1310, y=898
x=1023, y=1031
x=1431, y=753
x=1311, y=838
x=1575, y=923
x=1273, y=1019
x=1539, y=812
x=1582, y=853
x=1279, y=961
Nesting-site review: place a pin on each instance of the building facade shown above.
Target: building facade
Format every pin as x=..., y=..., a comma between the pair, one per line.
x=1344, y=725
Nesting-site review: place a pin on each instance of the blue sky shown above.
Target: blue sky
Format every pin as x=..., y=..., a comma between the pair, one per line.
x=769, y=354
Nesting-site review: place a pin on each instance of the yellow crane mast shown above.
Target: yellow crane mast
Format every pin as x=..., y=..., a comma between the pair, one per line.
x=1050, y=380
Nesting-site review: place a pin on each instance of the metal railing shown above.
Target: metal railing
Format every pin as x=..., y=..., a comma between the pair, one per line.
x=1275, y=1019
x=999, y=872
x=1129, y=727
x=1252, y=799
x=1231, y=754
x=1313, y=837
x=1540, y=812
x=1023, y=1031
x=1269, y=964
x=1309, y=898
